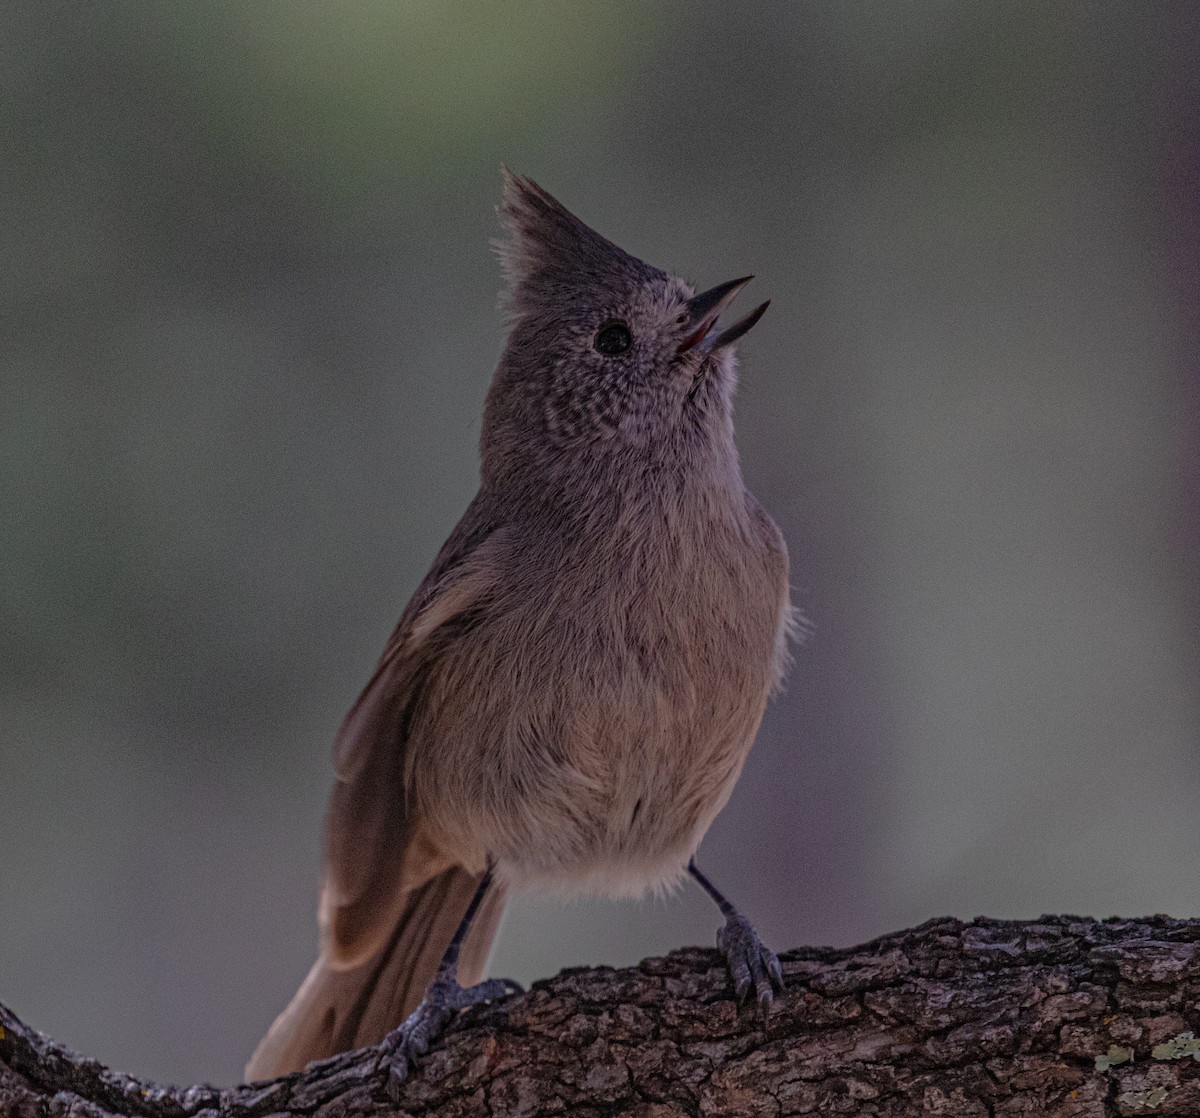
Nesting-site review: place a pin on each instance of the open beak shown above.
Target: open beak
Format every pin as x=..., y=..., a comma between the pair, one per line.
x=704, y=309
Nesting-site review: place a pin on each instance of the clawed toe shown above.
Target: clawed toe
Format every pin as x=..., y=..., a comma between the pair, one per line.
x=752, y=964
x=404, y=1045
x=494, y=989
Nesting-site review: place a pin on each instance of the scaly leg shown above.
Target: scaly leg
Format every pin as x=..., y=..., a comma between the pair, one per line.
x=444, y=998
x=751, y=962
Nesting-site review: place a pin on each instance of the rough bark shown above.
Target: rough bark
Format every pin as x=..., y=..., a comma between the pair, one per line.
x=1062, y=1016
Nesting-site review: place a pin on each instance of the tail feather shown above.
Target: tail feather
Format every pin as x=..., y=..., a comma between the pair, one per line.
x=339, y=1009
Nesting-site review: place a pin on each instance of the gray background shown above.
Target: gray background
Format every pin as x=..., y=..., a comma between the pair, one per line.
x=247, y=322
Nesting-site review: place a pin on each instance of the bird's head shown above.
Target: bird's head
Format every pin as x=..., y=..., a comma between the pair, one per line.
x=607, y=356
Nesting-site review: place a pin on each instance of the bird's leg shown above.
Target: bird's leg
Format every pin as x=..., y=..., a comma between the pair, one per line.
x=751, y=962
x=444, y=998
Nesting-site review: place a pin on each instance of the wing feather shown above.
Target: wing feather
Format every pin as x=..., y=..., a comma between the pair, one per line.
x=374, y=855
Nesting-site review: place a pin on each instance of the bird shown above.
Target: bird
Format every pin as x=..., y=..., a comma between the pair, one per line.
x=569, y=697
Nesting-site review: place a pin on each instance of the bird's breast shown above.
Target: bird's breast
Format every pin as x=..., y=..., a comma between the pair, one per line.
x=620, y=695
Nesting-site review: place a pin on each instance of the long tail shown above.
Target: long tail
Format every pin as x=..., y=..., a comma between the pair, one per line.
x=336, y=1010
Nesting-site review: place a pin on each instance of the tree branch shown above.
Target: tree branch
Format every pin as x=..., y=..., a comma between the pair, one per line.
x=1064, y=1017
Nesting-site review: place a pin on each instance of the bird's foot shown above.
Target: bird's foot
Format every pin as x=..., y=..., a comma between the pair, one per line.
x=751, y=963
x=403, y=1045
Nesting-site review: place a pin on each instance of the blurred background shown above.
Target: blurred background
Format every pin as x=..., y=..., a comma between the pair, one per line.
x=248, y=319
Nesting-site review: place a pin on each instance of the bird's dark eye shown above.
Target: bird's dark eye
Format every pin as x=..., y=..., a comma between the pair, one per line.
x=613, y=339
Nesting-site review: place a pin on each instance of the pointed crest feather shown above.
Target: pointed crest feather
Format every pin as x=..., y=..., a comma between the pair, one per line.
x=545, y=241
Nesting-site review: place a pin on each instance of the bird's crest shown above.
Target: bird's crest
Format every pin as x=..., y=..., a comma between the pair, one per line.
x=546, y=245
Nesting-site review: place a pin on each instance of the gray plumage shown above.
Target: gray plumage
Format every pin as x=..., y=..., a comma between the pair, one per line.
x=573, y=689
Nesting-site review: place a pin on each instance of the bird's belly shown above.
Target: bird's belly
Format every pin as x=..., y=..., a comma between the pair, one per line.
x=620, y=828
x=605, y=731
x=609, y=795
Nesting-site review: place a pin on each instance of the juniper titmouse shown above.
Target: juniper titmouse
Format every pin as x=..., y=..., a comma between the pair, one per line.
x=570, y=694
